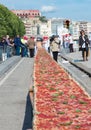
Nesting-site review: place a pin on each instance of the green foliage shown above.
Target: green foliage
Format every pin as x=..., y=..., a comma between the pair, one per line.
x=43, y=19
x=9, y=23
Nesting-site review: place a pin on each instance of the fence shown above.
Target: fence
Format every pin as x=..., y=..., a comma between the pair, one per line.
x=6, y=52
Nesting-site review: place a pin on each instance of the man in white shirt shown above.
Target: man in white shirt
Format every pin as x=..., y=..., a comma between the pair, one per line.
x=70, y=43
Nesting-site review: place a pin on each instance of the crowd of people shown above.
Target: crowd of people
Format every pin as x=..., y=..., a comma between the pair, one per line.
x=26, y=47
x=14, y=44
x=21, y=46
x=68, y=42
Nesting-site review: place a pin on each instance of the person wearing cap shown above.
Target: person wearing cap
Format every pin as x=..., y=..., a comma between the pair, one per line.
x=84, y=44
x=39, y=42
x=55, y=47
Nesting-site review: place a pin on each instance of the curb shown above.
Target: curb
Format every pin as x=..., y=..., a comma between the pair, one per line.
x=75, y=77
x=77, y=64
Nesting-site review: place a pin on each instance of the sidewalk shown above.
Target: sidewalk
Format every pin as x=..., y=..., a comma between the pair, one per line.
x=76, y=59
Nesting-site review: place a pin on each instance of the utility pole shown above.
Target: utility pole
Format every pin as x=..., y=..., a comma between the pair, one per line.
x=56, y=29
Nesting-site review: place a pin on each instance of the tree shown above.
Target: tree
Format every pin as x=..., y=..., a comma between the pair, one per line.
x=9, y=23
x=42, y=19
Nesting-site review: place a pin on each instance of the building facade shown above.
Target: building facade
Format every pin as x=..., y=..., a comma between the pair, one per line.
x=75, y=30
x=27, y=13
x=83, y=26
x=55, y=26
x=30, y=19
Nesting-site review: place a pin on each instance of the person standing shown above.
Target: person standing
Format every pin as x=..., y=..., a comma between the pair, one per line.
x=17, y=44
x=70, y=43
x=24, y=50
x=66, y=43
x=31, y=45
x=9, y=46
x=84, y=45
x=55, y=47
x=46, y=44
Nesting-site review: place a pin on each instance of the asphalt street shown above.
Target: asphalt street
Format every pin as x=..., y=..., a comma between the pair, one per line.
x=15, y=105
x=78, y=69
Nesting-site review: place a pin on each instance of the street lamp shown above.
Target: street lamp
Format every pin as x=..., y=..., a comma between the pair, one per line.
x=56, y=29
x=38, y=30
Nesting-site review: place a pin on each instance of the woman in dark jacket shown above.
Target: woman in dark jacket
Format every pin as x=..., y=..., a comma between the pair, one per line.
x=84, y=45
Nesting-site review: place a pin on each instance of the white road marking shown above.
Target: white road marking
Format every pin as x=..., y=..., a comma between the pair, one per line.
x=8, y=74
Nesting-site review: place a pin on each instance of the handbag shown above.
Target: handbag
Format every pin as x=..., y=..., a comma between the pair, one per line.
x=80, y=48
x=88, y=51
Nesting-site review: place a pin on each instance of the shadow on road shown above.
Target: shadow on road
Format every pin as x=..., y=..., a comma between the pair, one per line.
x=27, y=124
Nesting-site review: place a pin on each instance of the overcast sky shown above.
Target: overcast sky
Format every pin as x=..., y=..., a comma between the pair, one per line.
x=72, y=9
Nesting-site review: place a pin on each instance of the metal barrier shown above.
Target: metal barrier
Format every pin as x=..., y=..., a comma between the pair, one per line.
x=6, y=52
x=1, y=52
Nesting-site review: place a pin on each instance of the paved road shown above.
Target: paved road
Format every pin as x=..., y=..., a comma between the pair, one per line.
x=77, y=73
x=15, y=104
x=76, y=59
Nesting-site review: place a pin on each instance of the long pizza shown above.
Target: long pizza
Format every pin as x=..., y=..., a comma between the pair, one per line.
x=60, y=103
